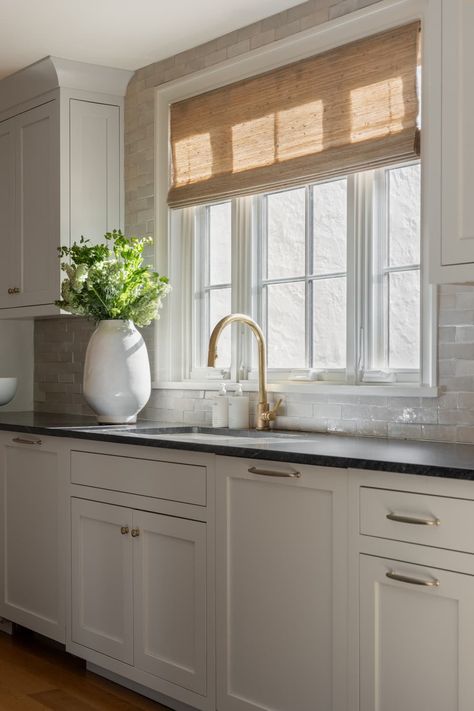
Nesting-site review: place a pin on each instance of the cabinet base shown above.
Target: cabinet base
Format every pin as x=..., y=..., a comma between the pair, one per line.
x=139, y=689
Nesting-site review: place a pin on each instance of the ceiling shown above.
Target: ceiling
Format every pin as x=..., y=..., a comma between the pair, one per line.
x=119, y=33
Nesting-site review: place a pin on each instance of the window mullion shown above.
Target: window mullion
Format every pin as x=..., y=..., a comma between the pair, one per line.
x=377, y=238
x=242, y=277
x=353, y=321
x=309, y=304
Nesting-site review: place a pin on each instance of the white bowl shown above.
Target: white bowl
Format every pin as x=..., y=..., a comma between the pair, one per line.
x=7, y=389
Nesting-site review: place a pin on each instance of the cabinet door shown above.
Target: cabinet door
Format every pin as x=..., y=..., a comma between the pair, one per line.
x=31, y=557
x=170, y=599
x=281, y=588
x=9, y=268
x=416, y=641
x=37, y=189
x=94, y=169
x=458, y=136
x=102, y=603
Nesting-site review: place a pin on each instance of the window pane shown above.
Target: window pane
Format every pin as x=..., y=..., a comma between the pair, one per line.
x=286, y=234
x=329, y=337
x=404, y=216
x=220, y=306
x=330, y=227
x=220, y=243
x=286, y=325
x=404, y=320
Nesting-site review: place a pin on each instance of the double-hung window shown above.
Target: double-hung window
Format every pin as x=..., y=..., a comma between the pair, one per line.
x=303, y=210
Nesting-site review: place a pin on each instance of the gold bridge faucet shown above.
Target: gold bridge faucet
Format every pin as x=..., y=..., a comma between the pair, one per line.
x=265, y=414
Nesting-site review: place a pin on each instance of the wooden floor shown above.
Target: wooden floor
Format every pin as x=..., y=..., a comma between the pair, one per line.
x=36, y=675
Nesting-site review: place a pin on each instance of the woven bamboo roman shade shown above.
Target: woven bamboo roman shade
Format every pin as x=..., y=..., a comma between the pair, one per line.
x=349, y=109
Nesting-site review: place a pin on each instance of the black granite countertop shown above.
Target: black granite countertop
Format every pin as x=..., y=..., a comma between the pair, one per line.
x=455, y=461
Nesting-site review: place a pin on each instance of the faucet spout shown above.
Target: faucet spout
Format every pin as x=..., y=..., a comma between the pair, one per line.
x=264, y=414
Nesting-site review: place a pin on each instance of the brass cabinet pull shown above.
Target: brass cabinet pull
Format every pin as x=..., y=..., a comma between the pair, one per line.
x=135, y=532
x=124, y=530
x=14, y=290
x=22, y=440
x=433, y=583
x=414, y=520
x=271, y=472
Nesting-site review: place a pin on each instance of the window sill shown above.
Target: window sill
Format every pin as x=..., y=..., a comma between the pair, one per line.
x=311, y=388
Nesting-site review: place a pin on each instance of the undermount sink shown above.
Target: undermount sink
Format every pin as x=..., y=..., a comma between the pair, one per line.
x=7, y=390
x=199, y=434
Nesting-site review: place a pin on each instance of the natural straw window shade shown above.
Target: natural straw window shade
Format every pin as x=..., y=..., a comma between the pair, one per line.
x=349, y=109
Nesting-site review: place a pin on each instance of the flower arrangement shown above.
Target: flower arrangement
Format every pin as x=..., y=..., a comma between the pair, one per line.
x=111, y=282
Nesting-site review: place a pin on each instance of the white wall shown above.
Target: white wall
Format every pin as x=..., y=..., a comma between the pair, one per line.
x=17, y=360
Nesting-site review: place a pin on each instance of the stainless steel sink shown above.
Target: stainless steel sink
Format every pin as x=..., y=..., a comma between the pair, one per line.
x=197, y=434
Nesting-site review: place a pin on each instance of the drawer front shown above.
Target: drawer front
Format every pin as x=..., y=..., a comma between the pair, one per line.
x=436, y=521
x=185, y=483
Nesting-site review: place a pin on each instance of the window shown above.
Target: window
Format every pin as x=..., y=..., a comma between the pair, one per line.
x=295, y=198
x=331, y=271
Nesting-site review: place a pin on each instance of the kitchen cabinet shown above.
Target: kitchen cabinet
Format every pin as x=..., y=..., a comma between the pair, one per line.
x=282, y=587
x=32, y=556
x=416, y=637
x=141, y=596
x=60, y=176
x=452, y=244
x=31, y=274
x=139, y=590
x=415, y=567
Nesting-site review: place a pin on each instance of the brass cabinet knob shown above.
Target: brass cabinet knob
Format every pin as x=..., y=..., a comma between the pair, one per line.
x=135, y=532
x=124, y=530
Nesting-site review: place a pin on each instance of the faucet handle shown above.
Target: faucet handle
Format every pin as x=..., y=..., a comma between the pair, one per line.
x=271, y=414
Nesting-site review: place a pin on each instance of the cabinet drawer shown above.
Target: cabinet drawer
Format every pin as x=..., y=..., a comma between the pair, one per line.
x=436, y=521
x=162, y=480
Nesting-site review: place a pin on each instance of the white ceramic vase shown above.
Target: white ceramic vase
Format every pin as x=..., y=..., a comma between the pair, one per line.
x=117, y=382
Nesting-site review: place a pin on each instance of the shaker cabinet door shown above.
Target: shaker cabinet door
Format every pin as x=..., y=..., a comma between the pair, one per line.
x=416, y=637
x=9, y=265
x=170, y=599
x=281, y=587
x=95, y=171
x=31, y=552
x=37, y=182
x=102, y=572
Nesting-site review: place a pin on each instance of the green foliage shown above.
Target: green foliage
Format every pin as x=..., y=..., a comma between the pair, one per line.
x=110, y=281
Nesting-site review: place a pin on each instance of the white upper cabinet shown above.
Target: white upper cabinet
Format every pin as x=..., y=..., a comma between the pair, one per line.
x=95, y=169
x=452, y=257
x=36, y=239
x=61, y=173
x=7, y=206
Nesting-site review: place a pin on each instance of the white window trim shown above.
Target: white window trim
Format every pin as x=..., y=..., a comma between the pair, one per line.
x=169, y=345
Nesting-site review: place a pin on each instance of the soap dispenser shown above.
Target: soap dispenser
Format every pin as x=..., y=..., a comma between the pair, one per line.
x=220, y=408
x=238, y=409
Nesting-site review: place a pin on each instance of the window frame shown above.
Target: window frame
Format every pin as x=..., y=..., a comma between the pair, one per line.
x=170, y=352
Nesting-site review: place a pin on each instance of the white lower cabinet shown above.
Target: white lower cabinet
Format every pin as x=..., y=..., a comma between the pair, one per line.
x=281, y=587
x=32, y=587
x=416, y=637
x=139, y=590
